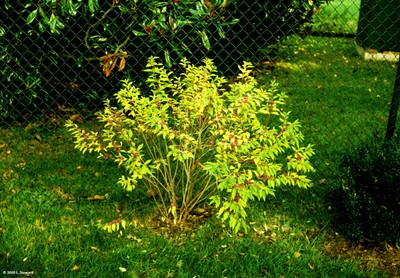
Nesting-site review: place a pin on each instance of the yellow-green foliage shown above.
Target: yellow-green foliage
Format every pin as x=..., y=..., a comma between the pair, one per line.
x=199, y=138
x=113, y=226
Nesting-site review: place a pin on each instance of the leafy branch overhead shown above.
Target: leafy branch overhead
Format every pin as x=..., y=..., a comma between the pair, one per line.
x=152, y=19
x=197, y=139
x=172, y=25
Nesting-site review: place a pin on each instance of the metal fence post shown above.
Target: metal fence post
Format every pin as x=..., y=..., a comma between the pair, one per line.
x=394, y=106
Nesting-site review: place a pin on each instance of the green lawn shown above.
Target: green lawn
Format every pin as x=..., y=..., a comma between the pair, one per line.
x=48, y=225
x=338, y=16
x=340, y=99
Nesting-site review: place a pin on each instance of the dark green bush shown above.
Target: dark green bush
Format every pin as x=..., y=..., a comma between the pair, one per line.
x=368, y=203
x=58, y=55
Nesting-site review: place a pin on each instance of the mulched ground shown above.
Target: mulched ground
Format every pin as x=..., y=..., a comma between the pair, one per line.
x=372, y=255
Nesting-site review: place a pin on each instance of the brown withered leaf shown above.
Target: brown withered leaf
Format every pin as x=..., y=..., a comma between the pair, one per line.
x=151, y=193
x=33, y=143
x=114, y=63
x=56, y=121
x=106, y=57
x=74, y=117
x=79, y=120
x=60, y=192
x=121, y=65
x=38, y=137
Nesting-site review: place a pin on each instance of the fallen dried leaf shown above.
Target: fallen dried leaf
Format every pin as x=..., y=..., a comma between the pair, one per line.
x=198, y=211
x=8, y=174
x=75, y=268
x=33, y=143
x=28, y=127
x=56, y=120
x=95, y=197
x=61, y=193
x=322, y=181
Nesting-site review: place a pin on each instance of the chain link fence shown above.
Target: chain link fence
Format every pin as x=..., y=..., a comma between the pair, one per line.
x=61, y=59
x=58, y=56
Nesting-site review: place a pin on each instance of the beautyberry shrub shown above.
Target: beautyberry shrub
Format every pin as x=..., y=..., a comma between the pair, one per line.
x=198, y=138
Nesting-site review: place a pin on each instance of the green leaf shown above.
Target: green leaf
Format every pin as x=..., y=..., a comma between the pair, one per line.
x=45, y=18
x=53, y=23
x=205, y=39
x=221, y=32
x=186, y=48
x=59, y=24
x=233, y=222
x=196, y=12
x=215, y=200
x=167, y=58
x=161, y=19
x=232, y=22
x=211, y=167
x=42, y=28
x=237, y=228
x=221, y=210
x=73, y=9
x=93, y=5
x=225, y=216
x=31, y=17
x=139, y=34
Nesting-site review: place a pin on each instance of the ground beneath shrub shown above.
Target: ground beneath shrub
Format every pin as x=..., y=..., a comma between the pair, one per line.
x=372, y=256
